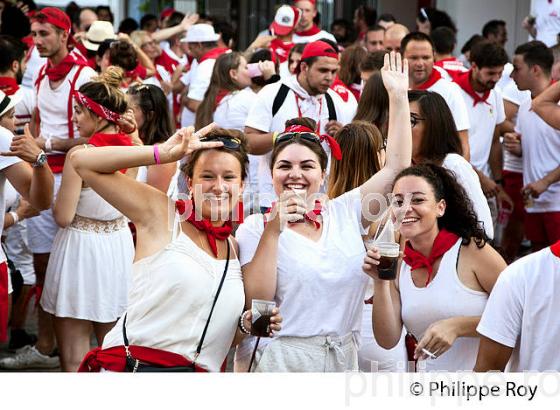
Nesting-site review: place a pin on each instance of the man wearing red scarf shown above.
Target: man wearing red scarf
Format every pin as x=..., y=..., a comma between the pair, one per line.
x=418, y=48
x=283, y=27
x=55, y=132
x=306, y=30
x=202, y=41
x=485, y=107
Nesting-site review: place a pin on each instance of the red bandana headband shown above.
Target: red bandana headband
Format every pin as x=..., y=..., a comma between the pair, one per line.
x=96, y=108
x=333, y=144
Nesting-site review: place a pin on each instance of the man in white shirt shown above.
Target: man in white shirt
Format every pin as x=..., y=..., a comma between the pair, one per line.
x=307, y=94
x=63, y=73
x=485, y=107
x=520, y=321
x=203, y=45
x=540, y=147
x=544, y=22
x=307, y=31
x=418, y=48
x=374, y=39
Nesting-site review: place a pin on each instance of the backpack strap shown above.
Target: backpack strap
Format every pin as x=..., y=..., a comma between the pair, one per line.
x=280, y=98
x=330, y=107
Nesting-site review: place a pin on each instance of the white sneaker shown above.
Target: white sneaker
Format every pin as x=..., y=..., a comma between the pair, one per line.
x=28, y=357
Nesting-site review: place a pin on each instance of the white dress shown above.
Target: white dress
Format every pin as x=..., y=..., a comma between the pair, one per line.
x=90, y=266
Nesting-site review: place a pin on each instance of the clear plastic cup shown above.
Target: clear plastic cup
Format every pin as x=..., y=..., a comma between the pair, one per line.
x=261, y=311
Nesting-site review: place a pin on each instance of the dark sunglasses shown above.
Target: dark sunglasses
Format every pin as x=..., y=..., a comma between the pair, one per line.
x=308, y=136
x=229, y=143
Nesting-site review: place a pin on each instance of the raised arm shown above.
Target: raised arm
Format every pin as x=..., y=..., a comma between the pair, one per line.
x=546, y=105
x=399, y=135
x=165, y=33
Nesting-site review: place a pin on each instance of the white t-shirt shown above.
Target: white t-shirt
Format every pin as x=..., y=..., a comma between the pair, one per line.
x=33, y=65
x=451, y=93
x=5, y=162
x=260, y=117
x=24, y=109
x=53, y=104
x=320, y=285
x=483, y=117
x=199, y=82
x=522, y=312
x=511, y=93
x=308, y=39
x=506, y=79
x=469, y=180
x=232, y=113
x=541, y=155
x=547, y=14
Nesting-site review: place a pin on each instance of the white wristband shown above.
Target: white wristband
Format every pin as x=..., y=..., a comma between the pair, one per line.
x=15, y=217
x=48, y=144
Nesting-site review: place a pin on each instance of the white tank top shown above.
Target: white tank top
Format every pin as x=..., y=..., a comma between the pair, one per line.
x=444, y=297
x=170, y=299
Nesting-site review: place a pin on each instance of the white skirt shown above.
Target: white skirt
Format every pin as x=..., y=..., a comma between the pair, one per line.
x=88, y=275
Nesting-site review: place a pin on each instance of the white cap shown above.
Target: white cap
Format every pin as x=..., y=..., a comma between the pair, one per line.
x=7, y=102
x=98, y=32
x=200, y=33
x=285, y=20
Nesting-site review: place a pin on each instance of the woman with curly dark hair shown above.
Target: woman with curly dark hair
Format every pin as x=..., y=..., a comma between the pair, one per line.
x=448, y=272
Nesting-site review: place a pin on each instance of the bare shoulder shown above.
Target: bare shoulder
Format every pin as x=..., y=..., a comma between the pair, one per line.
x=484, y=262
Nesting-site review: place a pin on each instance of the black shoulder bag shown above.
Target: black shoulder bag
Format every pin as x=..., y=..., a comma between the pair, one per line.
x=134, y=365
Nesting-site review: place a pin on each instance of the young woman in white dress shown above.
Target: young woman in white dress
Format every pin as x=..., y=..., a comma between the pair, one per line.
x=90, y=265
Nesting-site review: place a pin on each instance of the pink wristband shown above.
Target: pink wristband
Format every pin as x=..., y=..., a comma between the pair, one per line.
x=156, y=155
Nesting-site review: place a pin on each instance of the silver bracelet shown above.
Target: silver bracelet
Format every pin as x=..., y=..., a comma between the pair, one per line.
x=241, y=325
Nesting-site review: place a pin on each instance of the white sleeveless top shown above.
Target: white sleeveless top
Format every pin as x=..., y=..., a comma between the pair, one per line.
x=92, y=205
x=444, y=297
x=170, y=299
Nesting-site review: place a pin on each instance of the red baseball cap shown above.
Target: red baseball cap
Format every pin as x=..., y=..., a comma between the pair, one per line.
x=54, y=16
x=285, y=20
x=318, y=49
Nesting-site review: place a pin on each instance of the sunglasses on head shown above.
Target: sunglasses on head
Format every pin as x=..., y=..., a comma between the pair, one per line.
x=308, y=136
x=229, y=143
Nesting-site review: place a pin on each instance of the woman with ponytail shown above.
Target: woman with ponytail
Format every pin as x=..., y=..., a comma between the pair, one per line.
x=447, y=272
x=90, y=266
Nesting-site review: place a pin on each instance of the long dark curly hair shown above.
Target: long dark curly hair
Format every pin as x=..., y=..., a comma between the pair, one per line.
x=459, y=216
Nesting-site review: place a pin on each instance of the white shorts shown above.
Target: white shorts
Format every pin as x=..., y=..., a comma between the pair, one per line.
x=318, y=354
x=42, y=229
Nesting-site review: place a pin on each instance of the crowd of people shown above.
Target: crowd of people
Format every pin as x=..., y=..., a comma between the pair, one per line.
x=158, y=183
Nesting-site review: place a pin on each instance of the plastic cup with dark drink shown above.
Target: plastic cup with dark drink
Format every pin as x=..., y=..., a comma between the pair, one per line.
x=387, y=268
x=262, y=312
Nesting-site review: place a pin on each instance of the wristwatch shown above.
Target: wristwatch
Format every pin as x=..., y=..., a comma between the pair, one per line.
x=41, y=160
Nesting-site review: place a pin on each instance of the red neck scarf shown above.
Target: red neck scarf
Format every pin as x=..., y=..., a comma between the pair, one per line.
x=310, y=216
x=221, y=95
x=463, y=80
x=443, y=242
x=213, y=54
x=280, y=49
x=311, y=32
x=555, y=249
x=432, y=79
x=9, y=85
x=61, y=70
x=213, y=233
x=104, y=140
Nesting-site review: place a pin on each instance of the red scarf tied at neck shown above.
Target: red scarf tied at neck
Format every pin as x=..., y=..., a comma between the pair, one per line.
x=8, y=85
x=61, y=70
x=443, y=242
x=432, y=79
x=213, y=233
x=214, y=54
x=310, y=32
x=333, y=144
x=463, y=80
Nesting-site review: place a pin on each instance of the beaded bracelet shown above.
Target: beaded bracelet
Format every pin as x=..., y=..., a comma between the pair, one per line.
x=241, y=325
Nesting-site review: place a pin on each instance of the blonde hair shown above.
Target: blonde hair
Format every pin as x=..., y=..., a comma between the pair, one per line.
x=105, y=90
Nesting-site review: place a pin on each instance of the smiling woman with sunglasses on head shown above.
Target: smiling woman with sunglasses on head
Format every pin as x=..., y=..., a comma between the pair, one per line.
x=187, y=283
x=312, y=269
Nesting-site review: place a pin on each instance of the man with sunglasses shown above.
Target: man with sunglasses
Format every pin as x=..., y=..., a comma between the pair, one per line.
x=307, y=94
